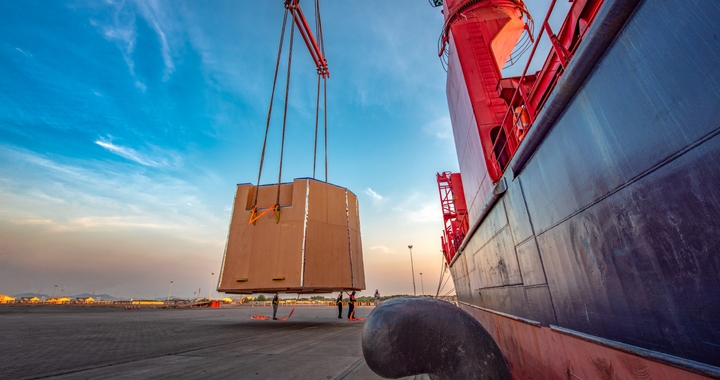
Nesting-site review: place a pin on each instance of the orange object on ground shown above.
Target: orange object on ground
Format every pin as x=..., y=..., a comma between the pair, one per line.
x=279, y=319
x=291, y=311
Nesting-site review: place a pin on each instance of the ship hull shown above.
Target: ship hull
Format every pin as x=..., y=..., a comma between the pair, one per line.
x=541, y=352
x=607, y=222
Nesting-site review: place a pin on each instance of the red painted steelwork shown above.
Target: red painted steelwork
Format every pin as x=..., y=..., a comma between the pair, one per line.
x=534, y=90
x=484, y=33
x=455, y=215
x=538, y=352
x=490, y=114
x=307, y=35
x=537, y=87
x=484, y=36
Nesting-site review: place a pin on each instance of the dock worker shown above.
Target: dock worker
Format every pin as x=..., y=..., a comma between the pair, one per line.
x=377, y=298
x=275, y=303
x=339, y=304
x=351, y=305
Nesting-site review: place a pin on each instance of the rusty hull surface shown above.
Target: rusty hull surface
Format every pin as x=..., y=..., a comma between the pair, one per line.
x=537, y=352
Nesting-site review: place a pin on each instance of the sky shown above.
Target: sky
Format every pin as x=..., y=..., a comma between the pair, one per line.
x=125, y=126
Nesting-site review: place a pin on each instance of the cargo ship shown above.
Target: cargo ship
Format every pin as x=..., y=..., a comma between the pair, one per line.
x=583, y=228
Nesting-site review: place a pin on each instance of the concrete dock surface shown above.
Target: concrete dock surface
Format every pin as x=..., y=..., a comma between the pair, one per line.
x=73, y=342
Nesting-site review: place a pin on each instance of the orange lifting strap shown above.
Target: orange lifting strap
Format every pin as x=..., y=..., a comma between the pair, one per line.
x=254, y=216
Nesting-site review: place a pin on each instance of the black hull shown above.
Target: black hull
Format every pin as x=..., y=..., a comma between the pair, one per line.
x=610, y=225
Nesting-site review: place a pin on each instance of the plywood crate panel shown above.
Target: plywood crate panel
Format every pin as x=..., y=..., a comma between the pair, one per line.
x=315, y=247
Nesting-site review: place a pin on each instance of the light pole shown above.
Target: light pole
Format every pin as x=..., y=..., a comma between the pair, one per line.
x=212, y=278
x=412, y=269
x=422, y=287
x=169, y=291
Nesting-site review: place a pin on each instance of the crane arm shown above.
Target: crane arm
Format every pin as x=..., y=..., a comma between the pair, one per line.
x=307, y=35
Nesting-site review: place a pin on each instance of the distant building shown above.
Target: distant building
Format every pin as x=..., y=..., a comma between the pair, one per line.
x=29, y=300
x=60, y=300
x=148, y=302
x=6, y=299
x=84, y=300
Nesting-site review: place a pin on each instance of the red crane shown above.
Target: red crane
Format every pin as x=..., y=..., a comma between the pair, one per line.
x=316, y=50
x=454, y=209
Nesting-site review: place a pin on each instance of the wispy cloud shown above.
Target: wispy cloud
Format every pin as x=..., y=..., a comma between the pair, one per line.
x=32, y=222
x=376, y=198
x=112, y=223
x=62, y=197
x=151, y=12
x=24, y=52
x=132, y=154
x=122, y=31
x=94, y=223
x=419, y=208
x=440, y=128
x=426, y=212
x=381, y=248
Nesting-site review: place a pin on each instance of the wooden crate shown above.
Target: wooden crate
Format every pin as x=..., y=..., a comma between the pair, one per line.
x=314, y=248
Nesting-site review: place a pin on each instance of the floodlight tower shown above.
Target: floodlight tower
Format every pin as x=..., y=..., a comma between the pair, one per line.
x=412, y=269
x=169, y=291
x=212, y=279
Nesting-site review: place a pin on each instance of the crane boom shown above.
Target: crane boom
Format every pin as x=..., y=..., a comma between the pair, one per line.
x=307, y=35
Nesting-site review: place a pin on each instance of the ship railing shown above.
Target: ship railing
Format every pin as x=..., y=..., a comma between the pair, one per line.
x=523, y=115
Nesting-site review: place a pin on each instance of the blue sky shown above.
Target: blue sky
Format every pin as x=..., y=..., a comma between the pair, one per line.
x=124, y=127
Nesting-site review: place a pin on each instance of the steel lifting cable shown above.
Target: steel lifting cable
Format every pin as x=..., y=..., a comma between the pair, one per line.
x=443, y=269
x=326, y=136
x=321, y=75
x=448, y=293
x=267, y=124
x=445, y=283
x=317, y=111
x=284, y=123
x=319, y=31
x=317, y=103
x=322, y=49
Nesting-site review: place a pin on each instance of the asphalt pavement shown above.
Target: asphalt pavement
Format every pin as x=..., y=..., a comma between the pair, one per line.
x=94, y=342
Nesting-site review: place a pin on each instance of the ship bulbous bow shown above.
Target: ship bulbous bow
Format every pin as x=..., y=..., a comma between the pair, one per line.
x=413, y=336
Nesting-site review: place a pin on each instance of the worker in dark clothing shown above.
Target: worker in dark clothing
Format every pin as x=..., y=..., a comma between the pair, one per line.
x=351, y=305
x=339, y=305
x=275, y=303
